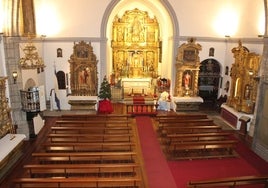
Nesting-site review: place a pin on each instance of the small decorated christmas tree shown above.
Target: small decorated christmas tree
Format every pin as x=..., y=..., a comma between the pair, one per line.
x=105, y=105
x=105, y=89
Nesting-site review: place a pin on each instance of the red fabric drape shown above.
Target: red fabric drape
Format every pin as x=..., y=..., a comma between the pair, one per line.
x=105, y=106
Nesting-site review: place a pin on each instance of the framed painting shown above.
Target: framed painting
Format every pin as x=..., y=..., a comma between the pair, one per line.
x=189, y=55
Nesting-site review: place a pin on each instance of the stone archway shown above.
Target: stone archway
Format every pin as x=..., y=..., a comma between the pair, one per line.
x=209, y=80
x=168, y=26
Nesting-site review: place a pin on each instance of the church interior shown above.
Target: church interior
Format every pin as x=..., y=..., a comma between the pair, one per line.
x=133, y=93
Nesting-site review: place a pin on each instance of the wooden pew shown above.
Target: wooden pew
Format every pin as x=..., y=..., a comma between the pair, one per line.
x=231, y=182
x=162, y=124
x=171, y=138
x=99, y=122
x=90, y=137
x=182, y=116
x=172, y=121
x=85, y=146
x=95, y=117
x=203, y=149
x=91, y=129
x=191, y=129
x=82, y=170
x=85, y=157
x=88, y=182
x=161, y=117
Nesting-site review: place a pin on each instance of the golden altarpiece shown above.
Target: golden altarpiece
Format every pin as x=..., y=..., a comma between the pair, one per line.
x=136, y=47
x=187, y=69
x=244, y=71
x=5, y=119
x=83, y=75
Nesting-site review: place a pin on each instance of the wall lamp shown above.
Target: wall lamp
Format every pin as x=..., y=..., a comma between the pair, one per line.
x=15, y=76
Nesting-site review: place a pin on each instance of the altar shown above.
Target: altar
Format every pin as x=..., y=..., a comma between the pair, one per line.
x=11, y=151
x=137, y=85
x=186, y=103
x=83, y=102
x=232, y=116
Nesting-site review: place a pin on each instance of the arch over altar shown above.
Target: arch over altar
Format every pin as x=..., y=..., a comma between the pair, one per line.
x=136, y=48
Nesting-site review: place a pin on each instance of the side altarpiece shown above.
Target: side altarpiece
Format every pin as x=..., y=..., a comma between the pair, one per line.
x=187, y=69
x=83, y=70
x=244, y=79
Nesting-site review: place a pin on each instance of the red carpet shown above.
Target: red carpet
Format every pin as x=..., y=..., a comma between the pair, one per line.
x=157, y=170
x=138, y=100
x=160, y=172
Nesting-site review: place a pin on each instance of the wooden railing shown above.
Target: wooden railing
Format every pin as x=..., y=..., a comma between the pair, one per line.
x=141, y=109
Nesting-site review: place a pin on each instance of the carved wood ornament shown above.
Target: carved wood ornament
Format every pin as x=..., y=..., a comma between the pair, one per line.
x=187, y=69
x=244, y=71
x=136, y=45
x=83, y=70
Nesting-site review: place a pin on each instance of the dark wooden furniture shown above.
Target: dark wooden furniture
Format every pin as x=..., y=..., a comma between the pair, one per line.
x=231, y=182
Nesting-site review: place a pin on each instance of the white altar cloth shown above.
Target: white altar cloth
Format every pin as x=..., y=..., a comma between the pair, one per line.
x=187, y=99
x=7, y=144
x=138, y=85
x=238, y=115
x=84, y=98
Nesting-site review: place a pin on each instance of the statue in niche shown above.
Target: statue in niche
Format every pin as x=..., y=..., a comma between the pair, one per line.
x=137, y=30
x=187, y=80
x=136, y=60
x=85, y=78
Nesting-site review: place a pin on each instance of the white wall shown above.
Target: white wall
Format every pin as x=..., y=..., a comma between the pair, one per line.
x=196, y=18
x=68, y=21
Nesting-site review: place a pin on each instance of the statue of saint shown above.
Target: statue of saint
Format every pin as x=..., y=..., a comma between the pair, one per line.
x=137, y=30
x=187, y=79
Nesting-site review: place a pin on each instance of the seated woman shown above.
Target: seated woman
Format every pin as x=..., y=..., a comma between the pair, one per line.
x=164, y=101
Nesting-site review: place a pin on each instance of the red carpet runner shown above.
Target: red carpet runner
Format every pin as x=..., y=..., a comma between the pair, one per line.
x=171, y=174
x=157, y=170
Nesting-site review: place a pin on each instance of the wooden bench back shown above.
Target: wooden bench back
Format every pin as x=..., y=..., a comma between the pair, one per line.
x=91, y=129
x=191, y=129
x=90, y=137
x=89, y=182
x=72, y=170
x=197, y=137
x=182, y=116
x=87, y=147
x=231, y=182
x=99, y=122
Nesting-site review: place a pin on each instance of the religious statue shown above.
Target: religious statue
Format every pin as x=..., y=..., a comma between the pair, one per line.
x=137, y=30
x=187, y=79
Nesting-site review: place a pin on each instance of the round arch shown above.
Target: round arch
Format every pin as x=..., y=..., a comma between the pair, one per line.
x=169, y=31
x=209, y=80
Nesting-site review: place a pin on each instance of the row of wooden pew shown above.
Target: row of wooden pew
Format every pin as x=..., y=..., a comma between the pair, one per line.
x=87, y=151
x=191, y=136
x=188, y=136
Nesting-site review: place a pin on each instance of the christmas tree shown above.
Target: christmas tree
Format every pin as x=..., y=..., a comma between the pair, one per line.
x=105, y=89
